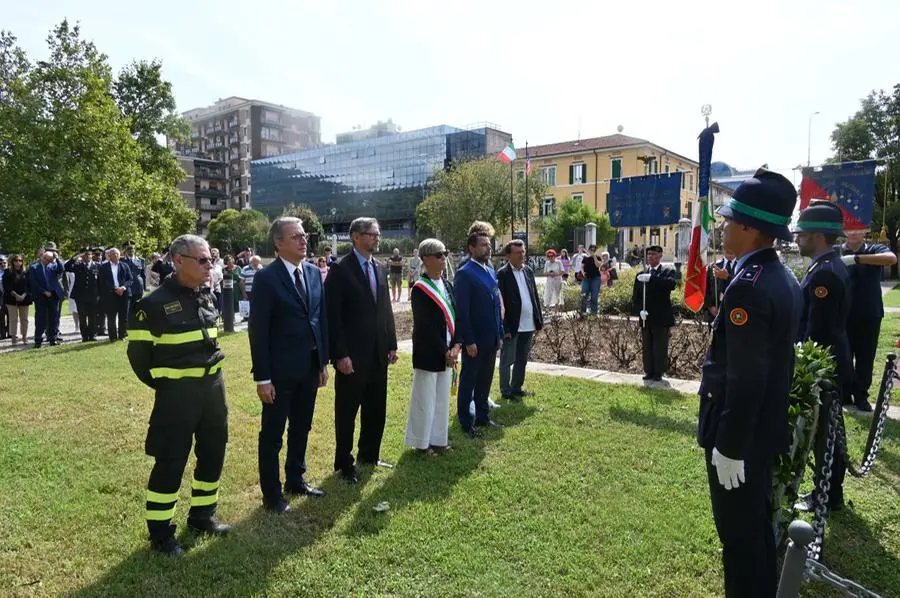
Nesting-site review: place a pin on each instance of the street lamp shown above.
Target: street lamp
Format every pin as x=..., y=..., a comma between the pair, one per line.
x=809, y=139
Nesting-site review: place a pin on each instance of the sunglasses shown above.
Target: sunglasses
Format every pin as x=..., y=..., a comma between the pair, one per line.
x=203, y=261
x=440, y=254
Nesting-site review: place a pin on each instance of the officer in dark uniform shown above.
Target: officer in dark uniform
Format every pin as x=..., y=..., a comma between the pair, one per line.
x=718, y=276
x=172, y=348
x=100, y=315
x=655, y=284
x=138, y=275
x=85, y=292
x=747, y=376
x=826, y=303
x=865, y=262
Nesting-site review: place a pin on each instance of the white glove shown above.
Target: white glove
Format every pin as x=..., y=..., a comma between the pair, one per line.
x=848, y=260
x=644, y=314
x=643, y=277
x=730, y=471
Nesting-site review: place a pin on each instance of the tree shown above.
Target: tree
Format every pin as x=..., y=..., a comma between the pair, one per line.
x=71, y=170
x=473, y=190
x=557, y=229
x=311, y=223
x=234, y=230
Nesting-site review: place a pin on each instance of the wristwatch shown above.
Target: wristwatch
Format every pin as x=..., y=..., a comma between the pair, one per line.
x=856, y=258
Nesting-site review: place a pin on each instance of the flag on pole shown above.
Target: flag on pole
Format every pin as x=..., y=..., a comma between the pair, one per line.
x=695, y=279
x=527, y=162
x=507, y=155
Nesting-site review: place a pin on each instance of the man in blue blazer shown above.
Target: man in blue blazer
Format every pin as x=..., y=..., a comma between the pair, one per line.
x=289, y=350
x=138, y=275
x=479, y=327
x=114, y=284
x=43, y=280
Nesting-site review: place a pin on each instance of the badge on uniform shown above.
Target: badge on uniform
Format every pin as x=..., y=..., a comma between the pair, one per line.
x=821, y=292
x=140, y=315
x=172, y=308
x=738, y=316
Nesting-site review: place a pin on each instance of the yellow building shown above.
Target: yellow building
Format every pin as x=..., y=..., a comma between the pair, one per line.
x=582, y=170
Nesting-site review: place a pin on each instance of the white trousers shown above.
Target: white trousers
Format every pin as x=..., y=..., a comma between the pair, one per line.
x=429, y=409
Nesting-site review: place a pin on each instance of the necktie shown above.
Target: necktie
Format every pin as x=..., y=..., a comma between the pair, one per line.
x=298, y=282
x=371, y=276
x=730, y=267
x=47, y=275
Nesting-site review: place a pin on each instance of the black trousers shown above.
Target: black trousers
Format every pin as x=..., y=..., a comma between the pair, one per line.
x=364, y=391
x=4, y=321
x=475, y=381
x=87, y=320
x=743, y=517
x=185, y=410
x=117, y=316
x=863, y=336
x=295, y=402
x=655, y=350
x=133, y=298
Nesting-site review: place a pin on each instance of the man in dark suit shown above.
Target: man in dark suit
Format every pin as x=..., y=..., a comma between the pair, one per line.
x=115, y=291
x=289, y=349
x=362, y=342
x=479, y=328
x=138, y=275
x=43, y=280
x=747, y=376
x=651, y=300
x=521, y=319
x=718, y=275
x=85, y=292
x=826, y=304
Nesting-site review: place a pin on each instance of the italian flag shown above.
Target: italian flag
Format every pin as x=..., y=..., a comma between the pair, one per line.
x=507, y=155
x=695, y=278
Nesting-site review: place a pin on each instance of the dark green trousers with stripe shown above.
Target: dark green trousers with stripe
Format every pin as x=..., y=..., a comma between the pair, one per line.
x=187, y=412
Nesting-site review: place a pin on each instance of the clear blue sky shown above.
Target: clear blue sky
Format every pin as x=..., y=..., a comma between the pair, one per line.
x=543, y=71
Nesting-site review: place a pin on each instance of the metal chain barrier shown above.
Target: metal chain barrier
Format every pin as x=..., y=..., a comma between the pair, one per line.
x=879, y=420
x=816, y=571
x=823, y=483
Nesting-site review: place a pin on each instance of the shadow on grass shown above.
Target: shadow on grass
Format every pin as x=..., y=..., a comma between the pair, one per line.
x=78, y=346
x=853, y=552
x=655, y=421
x=420, y=478
x=236, y=565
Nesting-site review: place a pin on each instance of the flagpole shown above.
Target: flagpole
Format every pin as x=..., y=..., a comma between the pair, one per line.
x=527, y=207
x=512, y=205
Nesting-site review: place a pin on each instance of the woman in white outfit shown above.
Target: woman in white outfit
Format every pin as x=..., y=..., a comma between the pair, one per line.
x=434, y=355
x=553, y=285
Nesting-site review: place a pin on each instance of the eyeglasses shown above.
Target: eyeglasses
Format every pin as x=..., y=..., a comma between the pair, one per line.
x=375, y=235
x=203, y=261
x=440, y=254
x=298, y=236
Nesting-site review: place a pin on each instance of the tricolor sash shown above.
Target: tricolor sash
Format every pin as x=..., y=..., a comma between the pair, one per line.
x=427, y=286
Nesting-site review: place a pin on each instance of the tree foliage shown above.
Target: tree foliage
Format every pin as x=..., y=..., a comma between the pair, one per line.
x=70, y=168
x=474, y=190
x=311, y=223
x=874, y=132
x=234, y=230
x=557, y=229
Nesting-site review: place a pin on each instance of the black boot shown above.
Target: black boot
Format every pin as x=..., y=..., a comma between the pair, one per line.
x=162, y=539
x=208, y=525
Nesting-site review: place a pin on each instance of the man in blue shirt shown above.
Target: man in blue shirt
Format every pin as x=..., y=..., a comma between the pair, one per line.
x=865, y=262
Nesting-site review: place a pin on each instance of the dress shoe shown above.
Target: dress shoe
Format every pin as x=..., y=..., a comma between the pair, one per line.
x=378, y=463
x=488, y=424
x=54, y=343
x=350, y=476
x=303, y=488
x=208, y=525
x=657, y=378
x=647, y=377
x=523, y=393
x=512, y=398
x=473, y=432
x=169, y=547
x=278, y=506
x=863, y=405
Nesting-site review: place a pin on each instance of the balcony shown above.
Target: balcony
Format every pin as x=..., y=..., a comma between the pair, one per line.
x=212, y=193
x=208, y=206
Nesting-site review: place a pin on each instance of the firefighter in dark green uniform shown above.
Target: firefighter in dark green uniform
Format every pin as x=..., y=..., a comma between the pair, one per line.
x=172, y=348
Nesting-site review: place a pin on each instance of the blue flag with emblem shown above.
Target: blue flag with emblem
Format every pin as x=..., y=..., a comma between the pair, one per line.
x=850, y=185
x=649, y=200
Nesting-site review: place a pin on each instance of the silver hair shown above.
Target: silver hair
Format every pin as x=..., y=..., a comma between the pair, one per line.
x=255, y=257
x=507, y=249
x=362, y=225
x=430, y=247
x=605, y=254
x=276, y=230
x=182, y=245
x=111, y=249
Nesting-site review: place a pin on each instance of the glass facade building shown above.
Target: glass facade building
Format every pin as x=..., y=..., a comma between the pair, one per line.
x=384, y=178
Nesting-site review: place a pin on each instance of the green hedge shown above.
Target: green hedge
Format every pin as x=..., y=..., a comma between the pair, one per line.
x=617, y=298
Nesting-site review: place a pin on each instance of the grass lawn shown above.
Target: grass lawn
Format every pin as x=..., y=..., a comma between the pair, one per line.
x=588, y=490
x=892, y=298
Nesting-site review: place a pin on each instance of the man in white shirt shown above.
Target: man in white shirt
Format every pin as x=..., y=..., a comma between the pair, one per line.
x=578, y=258
x=521, y=319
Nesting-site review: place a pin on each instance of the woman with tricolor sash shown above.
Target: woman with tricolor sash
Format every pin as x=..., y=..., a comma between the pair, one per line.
x=435, y=353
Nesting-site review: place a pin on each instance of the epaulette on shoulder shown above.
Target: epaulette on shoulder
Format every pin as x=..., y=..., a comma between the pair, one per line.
x=749, y=275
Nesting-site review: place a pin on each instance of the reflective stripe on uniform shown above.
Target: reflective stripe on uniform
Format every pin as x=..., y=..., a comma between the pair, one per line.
x=153, y=515
x=198, y=485
x=160, y=497
x=178, y=338
x=178, y=373
x=204, y=501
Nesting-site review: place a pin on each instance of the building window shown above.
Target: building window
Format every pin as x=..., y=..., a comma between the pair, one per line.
x=690, y=181
x=549, y=174
x=616, y=167
x=666, y=169
x=631, y=235
x=548, y=206
x=577, y=174
x=579, y=197
x=682, y=178
x=690, y=211
x=665, y=235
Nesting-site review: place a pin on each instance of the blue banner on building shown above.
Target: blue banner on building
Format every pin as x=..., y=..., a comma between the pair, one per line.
x=650, y=200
